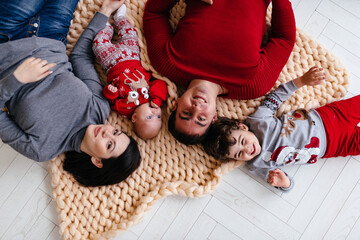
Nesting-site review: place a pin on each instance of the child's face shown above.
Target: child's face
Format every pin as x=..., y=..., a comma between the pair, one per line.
x=246, y=145
x=145, y=112
x=147, y=121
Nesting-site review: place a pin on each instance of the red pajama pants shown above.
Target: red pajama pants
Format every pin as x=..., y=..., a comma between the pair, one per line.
x=342, y=133
x=127, y=47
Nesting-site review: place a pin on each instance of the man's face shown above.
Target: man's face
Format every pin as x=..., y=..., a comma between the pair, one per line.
x=196, y=110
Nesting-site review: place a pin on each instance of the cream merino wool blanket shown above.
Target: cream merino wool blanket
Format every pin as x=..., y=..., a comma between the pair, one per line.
x=169, y=167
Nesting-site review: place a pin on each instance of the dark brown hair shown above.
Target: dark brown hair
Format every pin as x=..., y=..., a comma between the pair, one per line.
x=219, y=139
x=186, y=139
x=114, y=170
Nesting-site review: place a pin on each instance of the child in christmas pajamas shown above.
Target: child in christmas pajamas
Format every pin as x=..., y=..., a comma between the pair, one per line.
x=128, y=89
x=298, y=137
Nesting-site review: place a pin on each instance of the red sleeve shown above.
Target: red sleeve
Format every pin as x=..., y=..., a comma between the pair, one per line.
x=282, y=38
x=156, y=21
x=276, y=52
x=158, y=32
x=158, y=91
x=123, y=108
x=110, y=94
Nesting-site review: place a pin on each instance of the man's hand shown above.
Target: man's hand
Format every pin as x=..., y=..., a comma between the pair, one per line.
x=313, y=77
x=32, y=70
x=277, y=178
x=110, y=6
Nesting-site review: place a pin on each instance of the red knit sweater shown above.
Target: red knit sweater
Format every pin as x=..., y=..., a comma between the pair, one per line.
x=133, y=88
x=221, y=43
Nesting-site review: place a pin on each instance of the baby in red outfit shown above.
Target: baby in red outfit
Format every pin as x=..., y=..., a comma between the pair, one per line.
x=129, y=91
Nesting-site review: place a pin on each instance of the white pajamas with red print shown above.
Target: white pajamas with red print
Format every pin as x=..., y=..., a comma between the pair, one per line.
x=127, y=47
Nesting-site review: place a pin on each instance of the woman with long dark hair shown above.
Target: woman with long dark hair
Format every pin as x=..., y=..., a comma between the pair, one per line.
x=54, y=106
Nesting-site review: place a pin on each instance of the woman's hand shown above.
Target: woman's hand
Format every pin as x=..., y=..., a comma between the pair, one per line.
x=110, y=6
x=313, y=77
x=32, y=70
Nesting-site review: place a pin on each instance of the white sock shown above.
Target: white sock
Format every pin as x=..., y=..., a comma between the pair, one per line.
x=120, y=12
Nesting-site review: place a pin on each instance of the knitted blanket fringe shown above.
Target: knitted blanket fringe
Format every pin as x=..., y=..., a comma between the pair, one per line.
x=169, y=167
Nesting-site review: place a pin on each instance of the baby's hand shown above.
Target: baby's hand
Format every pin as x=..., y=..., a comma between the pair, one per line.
x=153, y=105
x=33, y=70
x=112, y=88
x=277, y=178
x=313, y=77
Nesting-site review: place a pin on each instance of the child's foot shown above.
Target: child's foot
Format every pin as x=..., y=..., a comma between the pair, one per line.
x=121, y=12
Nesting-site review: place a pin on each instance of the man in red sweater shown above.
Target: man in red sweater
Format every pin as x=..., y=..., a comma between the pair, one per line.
x=217, y=50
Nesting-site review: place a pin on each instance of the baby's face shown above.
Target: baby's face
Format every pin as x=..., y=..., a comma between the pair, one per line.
x=147, y=121
x=147, y=113
x=246, y=145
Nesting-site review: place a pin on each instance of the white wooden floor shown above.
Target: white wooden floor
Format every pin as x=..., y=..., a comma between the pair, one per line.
x=325, y=204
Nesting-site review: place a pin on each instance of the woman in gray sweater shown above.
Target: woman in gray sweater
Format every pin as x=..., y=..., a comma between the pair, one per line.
x=54, y=106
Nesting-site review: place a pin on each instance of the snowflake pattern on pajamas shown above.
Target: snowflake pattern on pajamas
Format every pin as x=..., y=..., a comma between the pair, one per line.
x=127, y=47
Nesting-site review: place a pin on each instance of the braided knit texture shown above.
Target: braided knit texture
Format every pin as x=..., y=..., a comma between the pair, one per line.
x=169, y=167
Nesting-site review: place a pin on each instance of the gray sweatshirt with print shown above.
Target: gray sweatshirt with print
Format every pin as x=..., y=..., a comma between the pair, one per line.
x=51, y=116
x=297, y=137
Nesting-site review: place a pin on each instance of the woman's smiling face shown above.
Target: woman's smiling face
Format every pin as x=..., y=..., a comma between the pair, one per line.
x=104, y=141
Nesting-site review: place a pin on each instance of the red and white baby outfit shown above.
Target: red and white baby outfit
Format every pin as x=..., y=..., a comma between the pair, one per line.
x=121, y=62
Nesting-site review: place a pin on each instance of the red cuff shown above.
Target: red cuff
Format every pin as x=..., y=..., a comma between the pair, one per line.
x=157, y=101
x=110, y=94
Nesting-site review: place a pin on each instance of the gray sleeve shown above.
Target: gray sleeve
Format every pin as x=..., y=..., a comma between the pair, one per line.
x=264, y=122
x=10, y=132
x=82, y=57
x=290, y=187
x=260, y=172
x=267, y=110
x=277, y=97
x=264, y=172
x=8, y=86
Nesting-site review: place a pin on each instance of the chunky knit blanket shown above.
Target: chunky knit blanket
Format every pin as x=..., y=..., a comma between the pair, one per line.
x=169, y=167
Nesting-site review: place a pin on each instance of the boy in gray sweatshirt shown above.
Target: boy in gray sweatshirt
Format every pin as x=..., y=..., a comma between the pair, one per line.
x=267, y=142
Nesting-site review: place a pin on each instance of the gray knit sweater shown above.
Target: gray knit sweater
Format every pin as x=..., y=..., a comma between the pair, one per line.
x=297, y=137
x=51, y=116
